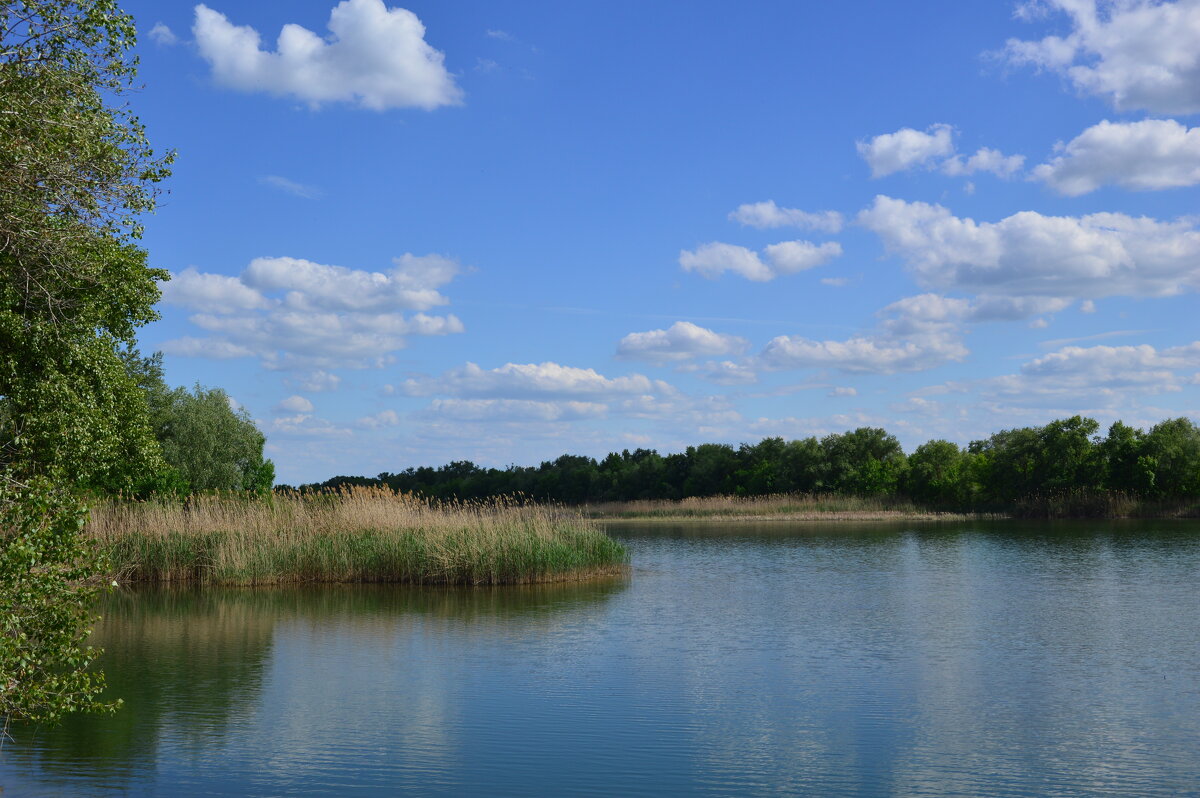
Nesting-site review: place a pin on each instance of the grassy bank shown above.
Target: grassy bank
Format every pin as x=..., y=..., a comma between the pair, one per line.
x=782, y=507
x=351, y=535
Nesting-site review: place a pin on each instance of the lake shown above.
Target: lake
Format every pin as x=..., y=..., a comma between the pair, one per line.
x=923, y=659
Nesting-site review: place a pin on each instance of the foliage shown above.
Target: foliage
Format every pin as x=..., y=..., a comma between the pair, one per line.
x=75, y=174
x=209, y=444
x=46, y=587
x=1064, y=467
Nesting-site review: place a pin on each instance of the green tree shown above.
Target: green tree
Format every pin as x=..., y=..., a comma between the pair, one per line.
x=47, y=584
x=209, y=444
x=938, y=474
x=1171, y=453
x=865, y=461
x=75, y=175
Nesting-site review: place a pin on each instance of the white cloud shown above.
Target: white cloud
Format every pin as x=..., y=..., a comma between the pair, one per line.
x=215, y=348
x=985, y=159
x=862, y=354
x=502, y=35
x=316, y=381
x=1098, y=374
x=1142, y=156
x=1028, y=254
x=842, y=391
x=375, y=56
x=211, y=293
x=308, y=426
x=713, y=259
x=1135, y=53
x=531, y=380
x=384, y=418
x=294, y=313
x=681, y=341
x=906, y=148
x=290, y=186
x=765, y=215
x=795, y=256
x=162, y=35
x=493, y=410
x=294, y=404
x=725, y=372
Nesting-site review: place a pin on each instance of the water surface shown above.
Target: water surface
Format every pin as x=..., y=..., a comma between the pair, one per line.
x=931, y=659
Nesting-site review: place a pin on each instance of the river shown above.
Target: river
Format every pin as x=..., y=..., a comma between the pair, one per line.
x=920, y=659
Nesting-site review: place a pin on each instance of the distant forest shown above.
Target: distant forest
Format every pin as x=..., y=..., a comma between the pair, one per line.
x=1062, y=459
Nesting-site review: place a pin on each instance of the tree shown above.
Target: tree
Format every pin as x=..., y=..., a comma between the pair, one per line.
x=75, y=174
x=938, y=474
x=47, y=584
x=209, y=444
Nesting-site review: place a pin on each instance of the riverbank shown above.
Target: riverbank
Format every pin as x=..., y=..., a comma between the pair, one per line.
x=1078, y=505
x=784, y=507
x=351, y=535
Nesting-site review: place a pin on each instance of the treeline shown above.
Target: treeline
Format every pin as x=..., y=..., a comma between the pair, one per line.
x=1064, y=467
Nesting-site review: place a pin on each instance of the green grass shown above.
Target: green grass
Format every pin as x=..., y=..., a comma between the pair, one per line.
x=359, y=535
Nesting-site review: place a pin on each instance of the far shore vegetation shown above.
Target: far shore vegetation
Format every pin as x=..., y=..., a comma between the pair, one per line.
x=1065, y=469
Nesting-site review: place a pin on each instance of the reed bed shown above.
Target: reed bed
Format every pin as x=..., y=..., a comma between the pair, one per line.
x=791, y=506
x=356, y=534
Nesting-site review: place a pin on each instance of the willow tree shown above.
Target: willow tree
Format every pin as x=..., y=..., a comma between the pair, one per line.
x=76, y=174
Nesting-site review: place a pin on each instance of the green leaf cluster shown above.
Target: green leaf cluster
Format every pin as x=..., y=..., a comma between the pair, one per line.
x=47, y=585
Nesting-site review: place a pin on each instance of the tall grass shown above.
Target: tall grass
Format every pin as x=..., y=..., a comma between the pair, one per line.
x=789, y=505
x=357, y=534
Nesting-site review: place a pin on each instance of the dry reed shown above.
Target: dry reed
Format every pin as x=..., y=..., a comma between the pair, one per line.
x=790, y=506
x=356, y=534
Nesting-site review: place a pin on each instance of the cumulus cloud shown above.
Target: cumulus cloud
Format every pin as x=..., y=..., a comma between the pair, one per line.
x=306, y=425
x=906, y=148
x=290, y=186
x=316, y=381
x=294, y=313
x=294, y=404
x=1028, y=254
x=162, y=35
x=216, y=349
x=713, y=259
x=1135, y=53
x=725, y=372
x=842, y=391
x=1142, y=156
x=492, y=410
x=861, y=354
x=985, y=159
x=384, y=418
x=1097, y=374
x=533, y=381
x=766, y=215
x=681, y=341
x=375, y=56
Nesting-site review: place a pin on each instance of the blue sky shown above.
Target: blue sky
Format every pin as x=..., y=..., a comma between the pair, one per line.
x=505, y=231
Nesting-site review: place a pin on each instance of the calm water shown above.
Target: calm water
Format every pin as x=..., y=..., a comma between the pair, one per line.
x=936, y=660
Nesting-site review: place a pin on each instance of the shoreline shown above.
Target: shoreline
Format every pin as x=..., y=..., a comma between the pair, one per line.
x=832, y=517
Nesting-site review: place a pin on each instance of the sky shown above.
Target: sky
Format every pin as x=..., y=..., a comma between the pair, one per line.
x=505, y=231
